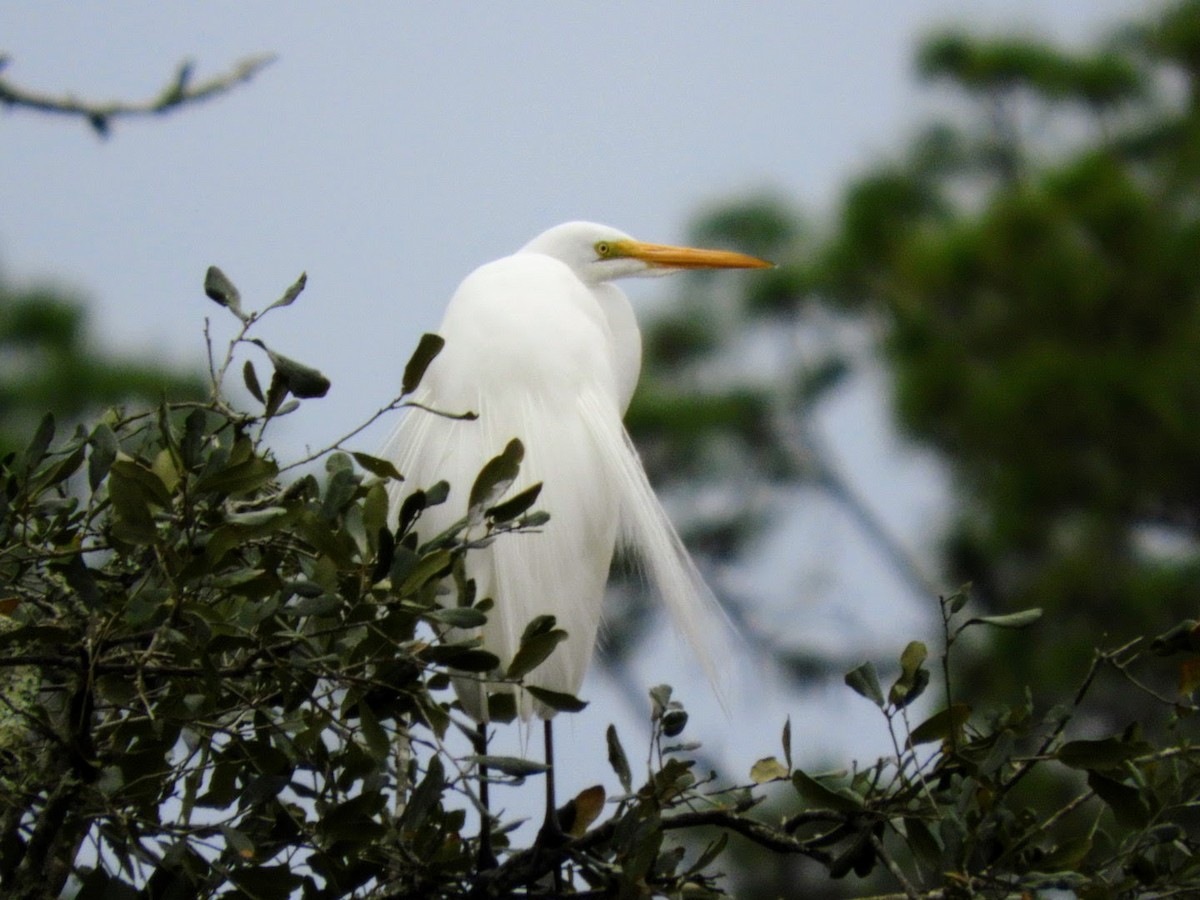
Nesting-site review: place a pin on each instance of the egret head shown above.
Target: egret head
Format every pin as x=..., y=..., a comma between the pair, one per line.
x=598, y=253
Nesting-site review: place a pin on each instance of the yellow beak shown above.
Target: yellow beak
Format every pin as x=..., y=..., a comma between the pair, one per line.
x=689, y=257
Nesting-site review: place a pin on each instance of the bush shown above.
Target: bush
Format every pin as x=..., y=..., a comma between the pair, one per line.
x=225, y=678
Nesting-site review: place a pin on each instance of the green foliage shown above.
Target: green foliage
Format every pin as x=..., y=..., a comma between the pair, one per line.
x=50, y=366
x=1027, y=273
x=215, y=682
x=219, y=683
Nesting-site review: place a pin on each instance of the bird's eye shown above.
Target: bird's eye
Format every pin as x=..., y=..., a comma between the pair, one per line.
x=603, y=249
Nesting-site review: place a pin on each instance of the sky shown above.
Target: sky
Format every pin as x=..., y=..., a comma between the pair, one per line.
x=391, y=148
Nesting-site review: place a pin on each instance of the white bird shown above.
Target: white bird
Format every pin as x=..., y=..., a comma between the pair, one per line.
x=546, y=349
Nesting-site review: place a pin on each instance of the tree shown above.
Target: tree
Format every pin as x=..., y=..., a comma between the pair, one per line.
x=222, y=682
x=1030, y=279
x=53, y=368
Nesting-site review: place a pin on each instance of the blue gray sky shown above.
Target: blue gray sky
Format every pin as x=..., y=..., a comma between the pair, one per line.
x=393, y=147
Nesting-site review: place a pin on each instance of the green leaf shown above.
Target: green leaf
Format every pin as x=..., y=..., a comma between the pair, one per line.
x=924, y=845
x=709, y=854
x=864, y=680
x=250, y=378
x=822, y=797
x=768, y=769
x=556, y=700
x=494, y=479
x=147, y=482
x=618, y=760
x=510, y=765
x=192, y=446
x=380, y=468
x=1108, y=753
x=502, y=706
x=787, y=742
x=36, y=451
x=458, y=616
x=1021, y=619
x=533, y=651
x=425, y=796
x=428, y=347
x=510, y=509
x=104, y=453
x=1126, y=802
x=430, y=566
x=300, y=380
x=239, y=478
x=290, y=295
x=465, y=659
x=913, y=679
x=940, y=726
x=219, y=289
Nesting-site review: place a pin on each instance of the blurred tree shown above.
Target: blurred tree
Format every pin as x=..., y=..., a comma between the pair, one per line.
x=1031, y=275
x=49, y=364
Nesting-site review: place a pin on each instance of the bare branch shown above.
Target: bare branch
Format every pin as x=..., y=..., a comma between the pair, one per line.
x=178, y=92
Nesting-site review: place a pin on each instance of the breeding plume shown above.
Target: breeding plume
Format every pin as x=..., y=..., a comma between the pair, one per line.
x=545, y=348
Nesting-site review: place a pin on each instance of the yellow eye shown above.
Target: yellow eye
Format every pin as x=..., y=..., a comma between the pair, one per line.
x=603, y=249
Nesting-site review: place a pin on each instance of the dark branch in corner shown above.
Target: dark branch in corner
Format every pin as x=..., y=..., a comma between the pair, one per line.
x=179, y=92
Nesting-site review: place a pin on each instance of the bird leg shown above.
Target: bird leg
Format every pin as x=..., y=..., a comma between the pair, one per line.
x=551, y=835
x=487, y=857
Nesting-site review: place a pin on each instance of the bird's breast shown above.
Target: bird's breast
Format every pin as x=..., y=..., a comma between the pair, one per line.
x=522, y=324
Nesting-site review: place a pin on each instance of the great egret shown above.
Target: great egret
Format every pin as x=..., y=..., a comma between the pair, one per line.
x=546, y=349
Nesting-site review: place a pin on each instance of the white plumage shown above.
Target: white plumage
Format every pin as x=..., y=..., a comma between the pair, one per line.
x=545, y=349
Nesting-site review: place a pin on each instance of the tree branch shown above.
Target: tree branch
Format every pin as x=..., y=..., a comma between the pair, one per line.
x=178, y=92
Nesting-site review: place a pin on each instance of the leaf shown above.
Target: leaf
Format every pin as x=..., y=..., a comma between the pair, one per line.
x=147, y=482
x=768, y=769
x=494, y=479
x=673, y=721
x=709, y=854
x=458, y=616
x=533, y=651
x=238, y=842
x=511, y=765
x=924, y=845
x=557, y=700
x=301, y=381
x=425, y=796
x=465, y=659
x=428, y=347
x=588, y=804
x=35, y=452
x=864, y=680
x=250, y=378
x=913, y=679
x=1021, y=619
x=787, y=742
x=1126, y=802
x=192, y=446
x=1189, y=676
x=502, y=706
x=510, y=509
x=381, y=468
x=219, y=289
x=1108, y=753
x=940, y=726
x=290, y=295
x=239, y=478
x=430, y=566
x=618, y=760
x=822, y=797
x=103, y=454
